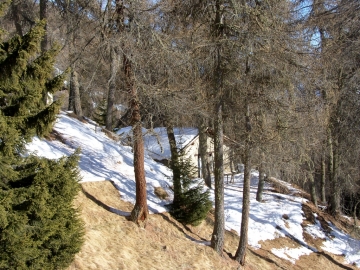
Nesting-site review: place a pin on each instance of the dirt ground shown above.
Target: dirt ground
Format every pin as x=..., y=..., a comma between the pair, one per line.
x=113, y=242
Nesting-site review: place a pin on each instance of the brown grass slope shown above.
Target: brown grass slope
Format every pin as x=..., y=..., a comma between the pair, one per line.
x=113, y=242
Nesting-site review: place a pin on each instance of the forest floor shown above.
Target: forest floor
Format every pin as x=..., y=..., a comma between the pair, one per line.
x=113, y=242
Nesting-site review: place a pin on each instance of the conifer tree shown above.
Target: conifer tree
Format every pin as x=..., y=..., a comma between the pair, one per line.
x=192, y=203
x=39, y=227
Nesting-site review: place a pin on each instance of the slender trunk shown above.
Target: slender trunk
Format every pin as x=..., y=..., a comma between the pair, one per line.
x=71, y=104
x=43, y=15
x=261, y=179
x=174, y=164
x=74, y=84
x=355, y=217
x=241, y=251
x=114, y=64
x=74, y=89
x=336, y=184
x=140, y=211
x=323, y=179
x=334, y=203
x=217, y=239
x=312, y=188
x=203, y=153
x=17, y=18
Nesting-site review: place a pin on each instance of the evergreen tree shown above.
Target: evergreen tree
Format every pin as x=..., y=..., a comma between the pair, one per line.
x=39, y=227
x=192, y=203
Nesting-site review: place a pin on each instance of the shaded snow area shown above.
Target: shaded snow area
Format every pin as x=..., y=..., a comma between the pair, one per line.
x=102, y=158
x=156, y=141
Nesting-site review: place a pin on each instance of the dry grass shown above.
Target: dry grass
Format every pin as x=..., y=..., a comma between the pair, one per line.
x=161, y=193
x=113, y=242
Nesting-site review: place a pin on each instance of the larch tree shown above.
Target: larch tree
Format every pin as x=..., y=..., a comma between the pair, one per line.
x=335, y=77
x=265, y=77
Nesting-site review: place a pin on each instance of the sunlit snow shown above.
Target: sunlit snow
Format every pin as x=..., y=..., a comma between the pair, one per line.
x=104, y=159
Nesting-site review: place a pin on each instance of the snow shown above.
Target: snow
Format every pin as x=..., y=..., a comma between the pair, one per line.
x=156, y=140
x=291, y=254
x=102, y=158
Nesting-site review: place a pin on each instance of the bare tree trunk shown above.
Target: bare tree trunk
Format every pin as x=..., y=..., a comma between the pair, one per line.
x=203, y=153
x=312, y=188
x=114, y=64
x=75, y=90
x=17, y=18
x=323, y=178
x=217, y=239
x=241, y=251
x=334, y=203
x=140, y=211
x=261, y=183
x=355, y=217
x=174, y=161
x=43, y=15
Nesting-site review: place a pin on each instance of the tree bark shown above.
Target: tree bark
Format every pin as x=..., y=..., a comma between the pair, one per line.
x=114, y=64
x=217, y=239
x=140, y=211
x=334, y=203
x=43, y=15
x=261, y=183
x=241, y=251
x=17, y=18
x=203, y=153
x=174, y=161
x=323, y=179
x=75, y=90
x=312, y=188
x=355, y=216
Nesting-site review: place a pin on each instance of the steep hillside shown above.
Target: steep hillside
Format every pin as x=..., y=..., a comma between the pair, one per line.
x=285, y=230
x=112, y=242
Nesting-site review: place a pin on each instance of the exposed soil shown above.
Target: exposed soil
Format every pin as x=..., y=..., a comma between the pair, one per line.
x=113, y=242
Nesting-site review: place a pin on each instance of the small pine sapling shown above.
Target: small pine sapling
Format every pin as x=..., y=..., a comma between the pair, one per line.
x=193, y=201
